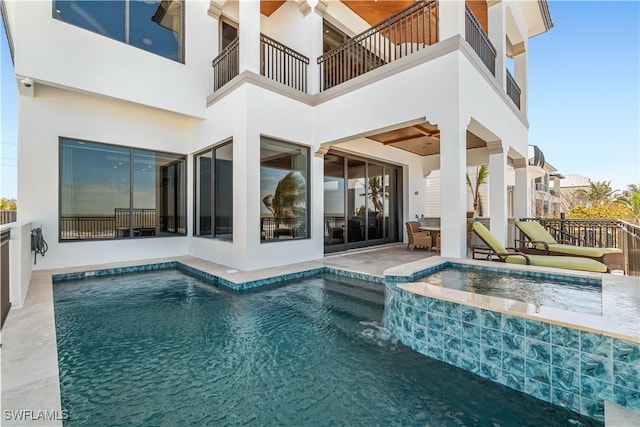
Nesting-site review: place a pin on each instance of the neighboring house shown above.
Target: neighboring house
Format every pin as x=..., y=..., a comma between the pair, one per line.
x=571, y=190
x=546, y=199
x=256, y=134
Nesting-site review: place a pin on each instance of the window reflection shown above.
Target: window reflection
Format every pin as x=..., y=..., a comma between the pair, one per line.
x=283, y=190
x=98, y=182
x=362, y=202
x=94, y=184
x=214, y=192
x=158, y=201
x=153, y=25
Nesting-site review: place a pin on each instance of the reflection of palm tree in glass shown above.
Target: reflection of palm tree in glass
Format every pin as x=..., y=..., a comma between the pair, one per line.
x=289, y=197
x=376, y=193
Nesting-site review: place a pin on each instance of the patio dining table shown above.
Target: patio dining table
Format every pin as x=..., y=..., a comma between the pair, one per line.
x=434, y=231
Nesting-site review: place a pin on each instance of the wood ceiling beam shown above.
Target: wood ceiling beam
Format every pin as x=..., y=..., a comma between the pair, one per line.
x=402, y=139
x=426, y=132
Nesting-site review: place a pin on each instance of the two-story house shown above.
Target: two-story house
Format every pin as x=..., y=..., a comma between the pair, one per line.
x=262, y=133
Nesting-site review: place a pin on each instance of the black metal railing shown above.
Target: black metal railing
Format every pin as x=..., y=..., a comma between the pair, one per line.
x=479, y=40
x=282, y=228
x=143, y=222
x=78, y=227
x=631, y=246
x=402, y=34
x=597, y=233
x=283, y=64
x=124, y=222
x=513, y=90
x=226, y=65
x=8, y=216
x=5, y=302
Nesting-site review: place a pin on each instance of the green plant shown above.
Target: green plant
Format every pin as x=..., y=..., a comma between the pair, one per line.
x=8, y=204
x=482, y=175
x=599, y=193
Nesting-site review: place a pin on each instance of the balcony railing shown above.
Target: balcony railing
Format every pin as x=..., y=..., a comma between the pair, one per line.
x=402, y=34
x=8, y=216
x=143, y=222
x=5, y=303
x=283, y=64
x=277, y=62
x=598, y=233
x=513, y=90
x=539, y=186
x=479, y=41
x=226, y=65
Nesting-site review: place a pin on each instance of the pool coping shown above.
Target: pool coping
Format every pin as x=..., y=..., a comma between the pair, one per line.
x=612, y=322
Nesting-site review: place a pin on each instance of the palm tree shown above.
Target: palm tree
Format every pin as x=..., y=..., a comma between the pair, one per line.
x=482, y=174
x=290, y=192
x=631, y=198
x=599, y=193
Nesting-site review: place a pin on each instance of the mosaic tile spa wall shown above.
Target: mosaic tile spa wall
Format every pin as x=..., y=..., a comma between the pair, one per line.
x=568, y=367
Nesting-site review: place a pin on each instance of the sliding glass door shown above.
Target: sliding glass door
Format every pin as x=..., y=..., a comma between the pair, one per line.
x=361, y=202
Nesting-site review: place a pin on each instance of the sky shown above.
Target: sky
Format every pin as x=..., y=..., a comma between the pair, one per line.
x=584, y=94
x=584, y=91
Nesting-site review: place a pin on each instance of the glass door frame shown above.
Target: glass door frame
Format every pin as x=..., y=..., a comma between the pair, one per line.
x=395, y=215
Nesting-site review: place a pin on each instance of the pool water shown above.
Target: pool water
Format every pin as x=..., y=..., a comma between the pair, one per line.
x=163, y=348
x=560, y=294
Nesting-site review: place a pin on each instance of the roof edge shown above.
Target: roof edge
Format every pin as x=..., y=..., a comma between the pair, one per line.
x=546, y=14
x=7, y=30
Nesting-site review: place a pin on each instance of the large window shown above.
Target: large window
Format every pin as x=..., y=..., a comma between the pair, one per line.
x=284, y=190
x=111, y=192
x=153, y=25
x=214, y=192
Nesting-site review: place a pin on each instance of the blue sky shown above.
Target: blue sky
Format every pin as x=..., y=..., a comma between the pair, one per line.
x=584, y=90
x=584, y=94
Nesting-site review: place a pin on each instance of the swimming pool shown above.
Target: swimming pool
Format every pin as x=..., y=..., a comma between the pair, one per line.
x=163, y=348
x=562, y=294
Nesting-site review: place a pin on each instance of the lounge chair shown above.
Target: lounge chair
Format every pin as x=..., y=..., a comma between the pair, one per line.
x=544, y=243
x=566, y=262
x=418, y=238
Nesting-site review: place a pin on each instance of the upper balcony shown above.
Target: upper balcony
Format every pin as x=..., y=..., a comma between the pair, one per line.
x=405, y=32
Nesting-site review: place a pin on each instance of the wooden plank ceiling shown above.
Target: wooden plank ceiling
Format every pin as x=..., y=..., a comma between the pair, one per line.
x=267, y=7
x=374, y=11
x=423, y=140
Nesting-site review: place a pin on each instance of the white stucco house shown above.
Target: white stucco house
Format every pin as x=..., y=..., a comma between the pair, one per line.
x=262, y=133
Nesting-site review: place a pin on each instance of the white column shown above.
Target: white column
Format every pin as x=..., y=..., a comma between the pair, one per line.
x=451, y=18
x=498, y=192
x=521, y=190
x=497, y=35
x=453, y=187
x=249, y=35
x=315, y=49
x=520, y=69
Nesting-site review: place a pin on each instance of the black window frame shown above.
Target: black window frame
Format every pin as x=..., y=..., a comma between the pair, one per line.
x=211, y=149
x=183, y=157
x=308, y=190
x=181, y=43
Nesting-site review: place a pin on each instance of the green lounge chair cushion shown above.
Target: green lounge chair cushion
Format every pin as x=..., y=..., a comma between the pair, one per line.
x=486, y=235
x=566, y=262
x=583, y=251
x=537, y=233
